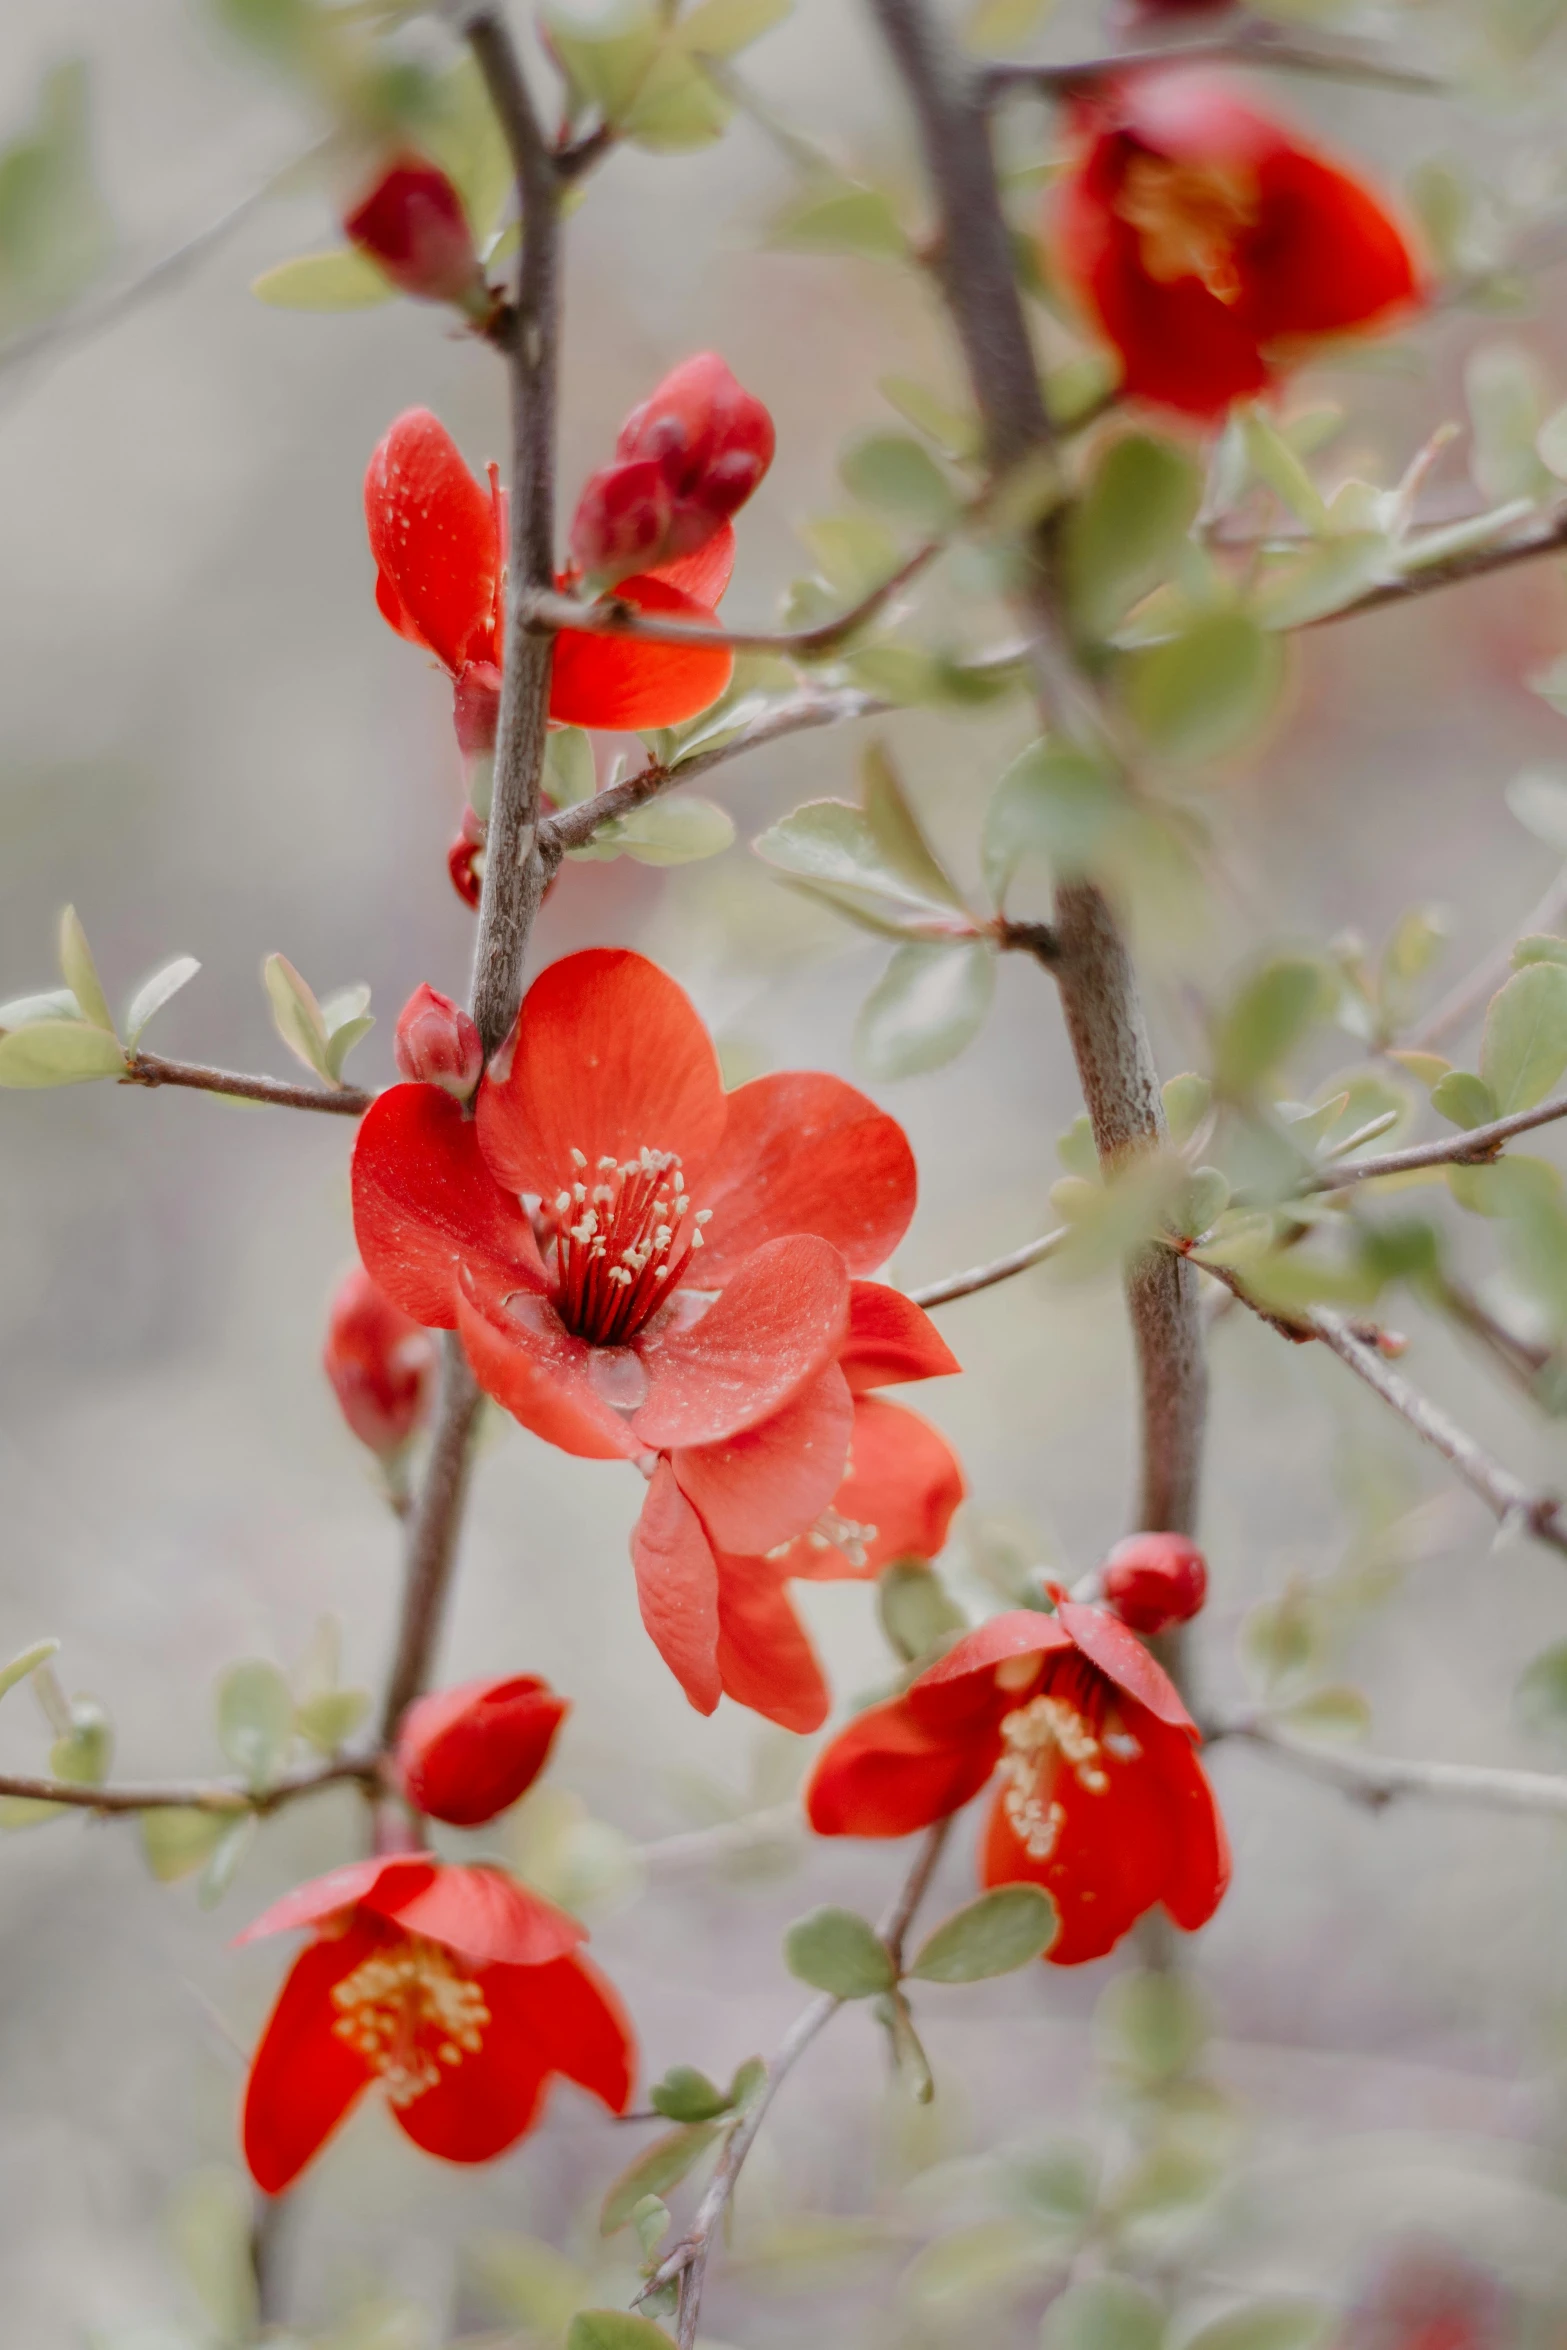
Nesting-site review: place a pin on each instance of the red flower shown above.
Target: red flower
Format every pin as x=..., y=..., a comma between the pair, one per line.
x=1155, y=1580
x=414, y=228
x=686, y=460
x=439, y=541
x=896, y=1502
x=456, y=1988
x=381, y=1364
x=1101, y=1798
x=466, y=1754
x=1210, y=243
x=438, y=1044
x=644, y=1268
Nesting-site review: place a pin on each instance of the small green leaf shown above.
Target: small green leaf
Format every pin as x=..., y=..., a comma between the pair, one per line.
x=1278, y=1637
x=22, y=1011
x=1336, y=1717
x=685, y=2095
x=84, y=1754
x=829, y=846
x=1273, y=461
x=607, y=62
x=464, y=136
x=994, y=28
x=342, y=1041
x=928, y=1005
x=658, y=2168
x=255, y=1720
x=210, y=2222
x=330, y=1717
x=614, y=2329
x=55, y=232
x=722, y=28
x=1201, y=1201
x=915, y=1610
x=1266, y=2325
x=1464, y=1100
x=176, y=1839
x=342, y=279
x=1538, y=948
x=897, y=476
x=677, y=107
x=1151, y=2025
x=853, y=552
x=954, y=431
x=978, y=2264
x=1126, y=533
x=1523, y=1053
x=1054, y=802
x=677, y=831
x=1541, y=1695
x=222, y=1867
x=994, y=1935
x=1187, y=1101
x=1505, y=386
x=569, y=772
x=1103, y=2313
x=841, y=216
x=1266, y=1019
x=898, y=833
x=164, y=984
x=836, y=1950
x=28, y=1662
x=1206, y=692
x=80, y=973
x=58, y=1052
x=296, y=1015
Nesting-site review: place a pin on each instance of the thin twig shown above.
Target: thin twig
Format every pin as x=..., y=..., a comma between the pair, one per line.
x=432, y=1535
x=1034, y=1252
x=213, y=1795
x=347, y=1101
x=1458, y=1150
x=1543, y=538
x=725, y=1839
x=1247, y=44
x=1520, y=1358
x=1377, y=1779
x=1475, y=990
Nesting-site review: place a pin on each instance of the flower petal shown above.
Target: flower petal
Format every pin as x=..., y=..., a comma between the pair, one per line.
x=424, y=1201
x=585, y=2031
x=1118, y=1653
x=536, y=1370
x=890, y=1772
x=891, y=1340
x=765, y=1659
x=488, y=1918
x=804, y=1152
x=432, y=533
x=1331, y=257
x=627, y=686
x=903, y=1485
x=494, y=2094
x=303, y=2077
x=767, y=1484
x=1105, y=1868
x=466, y=1754
x=705, y=573
x=677, y=1588
x=1022, y=1631
x=777, y=1325
x=1199, y=1871
x=357, y=1883
x=608, y=1056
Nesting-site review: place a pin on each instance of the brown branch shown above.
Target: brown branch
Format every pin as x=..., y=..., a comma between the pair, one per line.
x=346, y=1101
x=214, y=1795
x=1034, y=1252
x=1261, y=44
x=1474, y=991
x=1377, y=1779
x=433, y=1527
x=1479, y=1143
x=1544, y=538
x=1522, y=1360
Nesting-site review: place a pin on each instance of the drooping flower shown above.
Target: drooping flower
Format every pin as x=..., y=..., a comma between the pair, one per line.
x=381, y=1363
x=685, y=461
x=1100, y=1797
x=1155, y=1580
x=412, y=224
x=1211, y=244
x=464, y=1755
x=455, y=1988
x=438, y=1044
x=645, y=1268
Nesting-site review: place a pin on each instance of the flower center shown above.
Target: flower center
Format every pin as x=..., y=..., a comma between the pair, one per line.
x=1061, y=1730
x=617, y=1238
x=1189, y=218
x=409, y=2010
x=832, y=1531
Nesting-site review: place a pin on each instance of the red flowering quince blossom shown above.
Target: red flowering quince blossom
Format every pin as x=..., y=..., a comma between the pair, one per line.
x=1211, y=243
x=645, y=1268
x=466, y=1754
x=457, y=1989
x=381, y=1364
x=895, y=1502
x=1100, y=1797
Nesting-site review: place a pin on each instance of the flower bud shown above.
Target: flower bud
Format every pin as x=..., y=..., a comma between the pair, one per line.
x=1155, y=1580
x=437, y=1044
x=465, y=1754
x=465, y=859
x=381, y=1364
x=622, y=522
x=711, y=439
x=412, y=225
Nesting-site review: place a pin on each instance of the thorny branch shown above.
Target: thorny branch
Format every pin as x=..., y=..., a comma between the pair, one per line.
x=345, y=1101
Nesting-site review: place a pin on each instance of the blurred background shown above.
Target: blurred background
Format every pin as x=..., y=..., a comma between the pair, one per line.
x=210, y=743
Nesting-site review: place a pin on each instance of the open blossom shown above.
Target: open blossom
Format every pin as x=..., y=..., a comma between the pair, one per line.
x=381, y=1363
x=1211, y=244
x=645, y=1268
x=1100, y=1797
x=685, y=461
x=439, y=541
x=466, y=1754
x=454, y=1988
x=413, y=226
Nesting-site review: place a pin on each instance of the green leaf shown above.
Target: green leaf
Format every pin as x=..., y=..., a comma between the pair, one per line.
x=1523, y=1053
x=1538, y=948
x=1207, y=691
x=722, y=28
x=330, y=1717
x=614, y=2329
x=1103, y=2313
x=929, y=1004
x=464, y=136
x=1336, y=1717
x=979, y=2264
x=1278, y=1637
x=1151, y=2025
x=1187, y=1101
x=840, y=216
x=1291, y=590
x=22, y=1011
x=84, y=1754
x=1265, y=2325
x=1061, y=2181
x=994, y=28
x=1054, y=802
x=1464, y=1100
x=222, y=1867
x=1541, y=1695
x=177, y=1839
x=1274, y=462
x=342, y=1041
x=296, y=1015
x=831, y=846
x=58, y=1052
x=28, y=1662
x=677, y=831
x=1266, y=1019
x=677, y=106
x=1201, y=1201
x=915, y=1611
x=569, y=772
x=528, y=2282
x=341, y=279
x=659, y=2167
x=1505, y=388
x=954, y=431
x=836, y=1950
x=1170, y=2178
x=606, y=63
x=210, y=2222
x=255, y=1720
x=80, y=973
x=164, y=984
x=685, y=2095
x=994, y=1935
x=897, y=476
x=898, y=834
x=1127, y=531
x=1538, y=798
x=854, y=552
x=55, y=232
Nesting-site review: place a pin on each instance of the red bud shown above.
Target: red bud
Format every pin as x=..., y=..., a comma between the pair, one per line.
x=464, y=857
x=476, y=708
x=622, y=521
x=684, y=462
x=465, y=1754
x=1155, y=1580
x=413, y=227
x=381, y=1364
x=437, y=1044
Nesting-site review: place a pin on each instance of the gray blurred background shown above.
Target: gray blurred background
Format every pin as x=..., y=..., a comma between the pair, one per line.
x=210, y=743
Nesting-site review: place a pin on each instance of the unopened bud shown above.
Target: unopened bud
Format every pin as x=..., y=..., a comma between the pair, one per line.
x=437, y=1044
x=465, y=1754
x=476, y=708
x=1155, y=1580
x=381, y=1364
x=465, y=859
x=712, y=440
x=622, y=522
x=412, y=225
